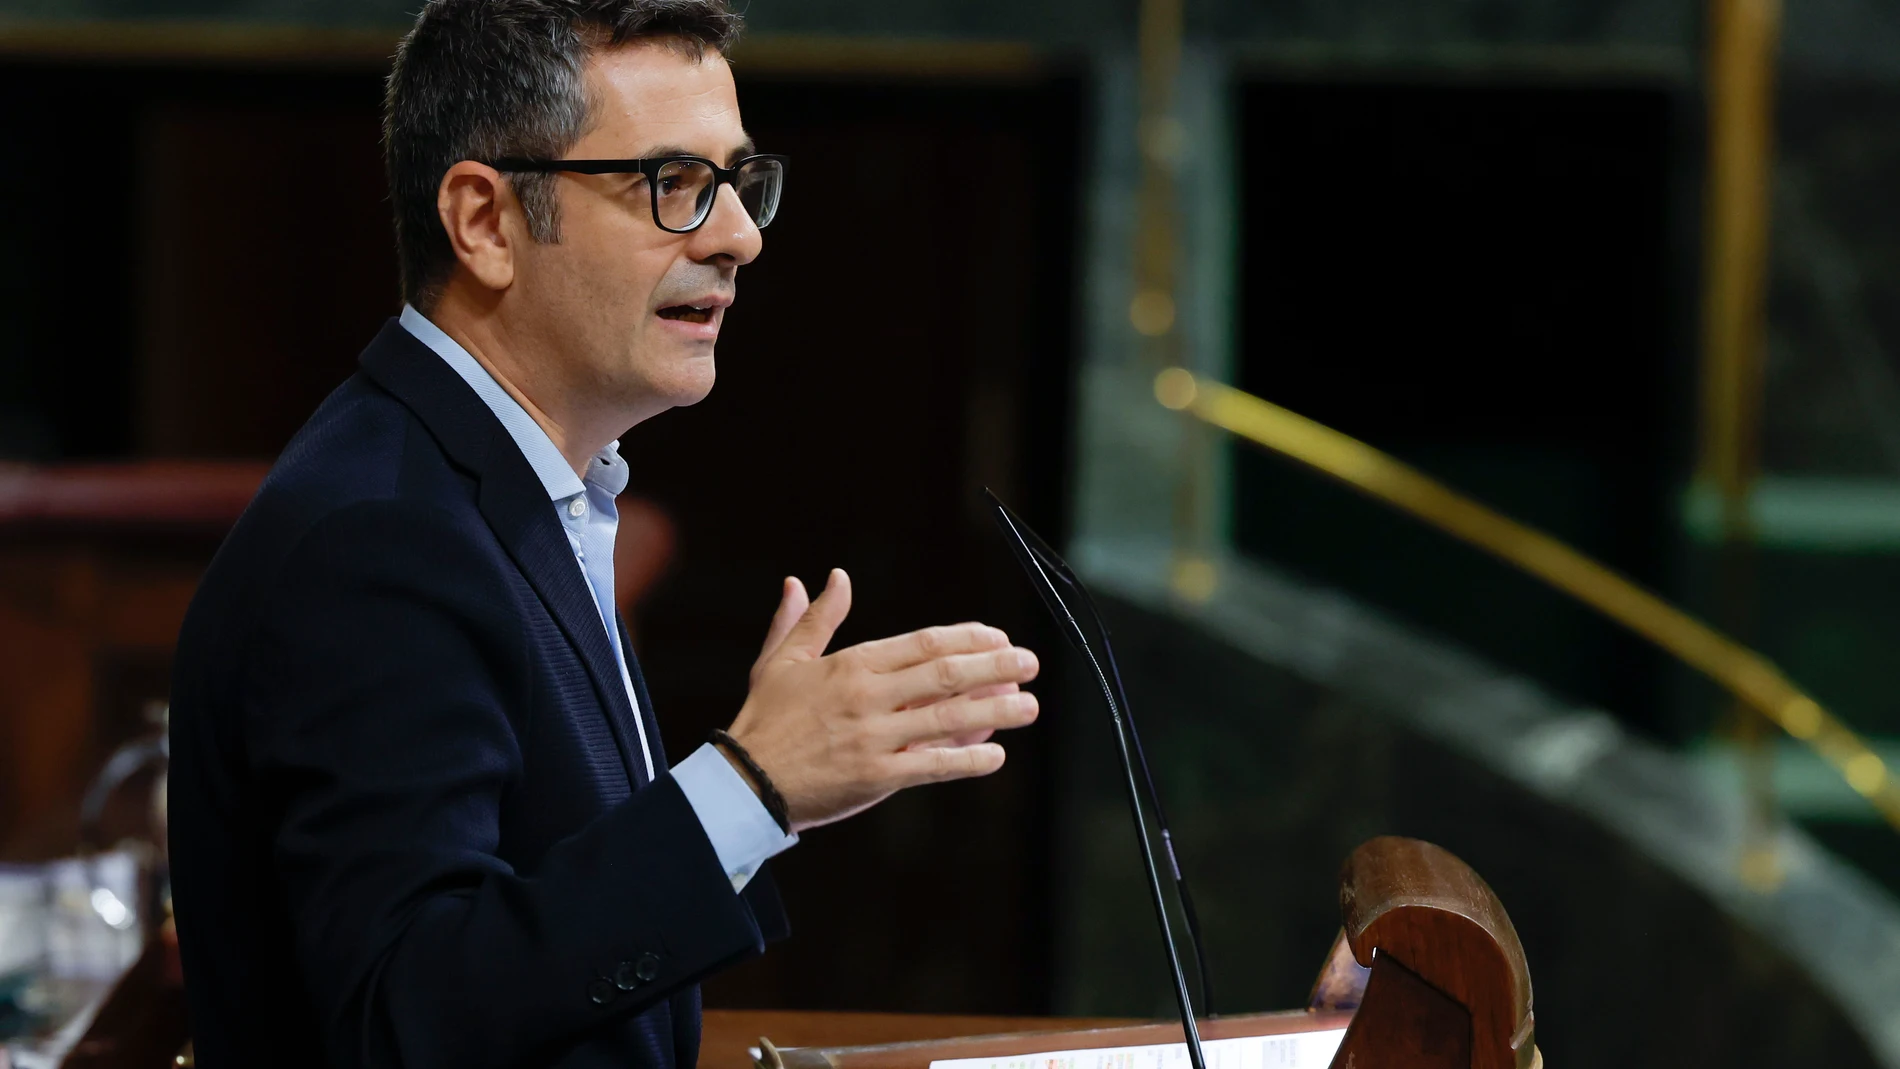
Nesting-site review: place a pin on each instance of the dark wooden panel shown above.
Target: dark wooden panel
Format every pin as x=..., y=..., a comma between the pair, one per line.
x=267, y=264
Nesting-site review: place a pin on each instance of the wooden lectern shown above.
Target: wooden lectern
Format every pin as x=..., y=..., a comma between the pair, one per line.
x=1427, y=974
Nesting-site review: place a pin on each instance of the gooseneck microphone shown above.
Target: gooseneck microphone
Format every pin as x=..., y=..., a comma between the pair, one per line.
x=1053, y=567
x=1046, y=569
x=1195, y=942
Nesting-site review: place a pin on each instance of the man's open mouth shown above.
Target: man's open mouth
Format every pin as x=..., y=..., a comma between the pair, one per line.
x=687, y=313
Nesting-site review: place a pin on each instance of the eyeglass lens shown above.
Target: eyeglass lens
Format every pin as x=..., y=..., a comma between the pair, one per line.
x=685, y=189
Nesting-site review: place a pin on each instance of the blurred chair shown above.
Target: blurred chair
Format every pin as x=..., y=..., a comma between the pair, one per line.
x=97, y=565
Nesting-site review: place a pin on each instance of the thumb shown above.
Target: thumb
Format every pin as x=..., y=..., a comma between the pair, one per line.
x=812, y=633
x=792, y=603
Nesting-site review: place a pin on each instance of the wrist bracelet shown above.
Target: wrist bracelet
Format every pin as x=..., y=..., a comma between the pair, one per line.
x=774, y=801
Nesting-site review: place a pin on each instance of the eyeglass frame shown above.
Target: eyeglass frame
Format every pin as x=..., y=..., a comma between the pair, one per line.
x=650, y=167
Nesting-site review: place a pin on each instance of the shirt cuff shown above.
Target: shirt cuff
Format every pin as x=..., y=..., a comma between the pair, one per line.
x=742, y=831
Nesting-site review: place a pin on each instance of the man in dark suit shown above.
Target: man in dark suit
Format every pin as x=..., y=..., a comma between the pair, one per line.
x=420, y=815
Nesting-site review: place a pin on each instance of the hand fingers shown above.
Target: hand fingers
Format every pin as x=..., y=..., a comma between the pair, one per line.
x=968, y=738
x=967, y=718
x=902, y=651
x=808, y=637
x=792, y=603
x=939, y=763
x=981, y=692
x=958, y=674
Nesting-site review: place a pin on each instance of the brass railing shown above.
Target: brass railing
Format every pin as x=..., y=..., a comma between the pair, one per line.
x=1743, y=37
x=1750, y=677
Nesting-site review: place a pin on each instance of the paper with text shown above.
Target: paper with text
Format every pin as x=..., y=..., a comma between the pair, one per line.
x=1293, y=1050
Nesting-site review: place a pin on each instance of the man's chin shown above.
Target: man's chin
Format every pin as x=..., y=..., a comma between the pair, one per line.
x=691, y=382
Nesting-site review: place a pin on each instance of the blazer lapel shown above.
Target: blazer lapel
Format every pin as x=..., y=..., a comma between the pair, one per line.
x=648, y=716
x=533, y=537
x=516, y=506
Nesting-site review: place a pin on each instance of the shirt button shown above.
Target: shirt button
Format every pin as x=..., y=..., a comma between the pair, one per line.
x=577, y=507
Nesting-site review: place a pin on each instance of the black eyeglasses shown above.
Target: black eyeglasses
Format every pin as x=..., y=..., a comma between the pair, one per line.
x=683, y=188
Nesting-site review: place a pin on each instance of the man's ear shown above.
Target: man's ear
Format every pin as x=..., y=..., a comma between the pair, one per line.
x=477, y=208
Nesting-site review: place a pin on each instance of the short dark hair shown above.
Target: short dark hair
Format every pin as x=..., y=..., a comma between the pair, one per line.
x=482, y=79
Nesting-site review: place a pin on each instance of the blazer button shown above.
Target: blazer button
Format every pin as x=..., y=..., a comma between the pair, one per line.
x=600, y=991
x=631, y=974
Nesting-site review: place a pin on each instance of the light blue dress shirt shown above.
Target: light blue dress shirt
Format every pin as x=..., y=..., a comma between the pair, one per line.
x=742, y=832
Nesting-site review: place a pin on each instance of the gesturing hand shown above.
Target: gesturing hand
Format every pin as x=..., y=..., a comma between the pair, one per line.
x=839, y=733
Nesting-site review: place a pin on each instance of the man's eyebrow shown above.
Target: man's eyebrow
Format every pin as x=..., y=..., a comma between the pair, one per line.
x=745, y=148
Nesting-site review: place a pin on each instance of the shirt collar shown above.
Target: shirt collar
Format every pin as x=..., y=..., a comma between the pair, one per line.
x=606, y=470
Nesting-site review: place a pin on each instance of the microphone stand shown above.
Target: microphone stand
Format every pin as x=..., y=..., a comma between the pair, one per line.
x=1195, y=942
x=1031, y=562
x=1053, y=562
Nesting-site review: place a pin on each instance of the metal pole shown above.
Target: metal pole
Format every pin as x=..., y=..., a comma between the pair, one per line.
x=1743, y=37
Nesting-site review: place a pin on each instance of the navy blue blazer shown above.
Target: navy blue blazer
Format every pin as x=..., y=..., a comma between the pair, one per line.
x=409, y=820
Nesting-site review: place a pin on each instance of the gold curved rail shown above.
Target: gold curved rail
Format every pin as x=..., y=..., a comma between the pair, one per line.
x=1741, y=671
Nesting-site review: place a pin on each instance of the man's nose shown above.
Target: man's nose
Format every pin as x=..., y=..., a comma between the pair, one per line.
x=729, y=232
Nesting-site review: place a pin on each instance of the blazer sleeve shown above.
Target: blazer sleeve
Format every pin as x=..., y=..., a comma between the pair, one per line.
x=768, y=909
x=386, y=685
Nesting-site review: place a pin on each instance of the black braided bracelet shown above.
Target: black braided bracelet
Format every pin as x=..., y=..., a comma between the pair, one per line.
x=774, y=801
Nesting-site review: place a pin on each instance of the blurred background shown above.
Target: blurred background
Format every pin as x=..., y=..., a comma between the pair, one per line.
x=1626, y=270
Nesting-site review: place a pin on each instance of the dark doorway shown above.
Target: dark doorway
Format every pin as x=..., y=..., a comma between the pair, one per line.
x=1478, y=279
